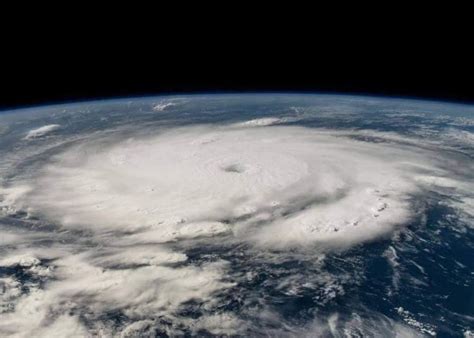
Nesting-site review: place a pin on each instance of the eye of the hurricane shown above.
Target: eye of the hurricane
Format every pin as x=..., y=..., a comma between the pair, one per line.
x=236, y=168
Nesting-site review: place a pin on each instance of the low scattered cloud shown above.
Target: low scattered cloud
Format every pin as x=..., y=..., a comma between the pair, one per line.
x=41, y=131
x=162, y=106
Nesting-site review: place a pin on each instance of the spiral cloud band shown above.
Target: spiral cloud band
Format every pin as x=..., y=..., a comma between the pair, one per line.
x=278, y=186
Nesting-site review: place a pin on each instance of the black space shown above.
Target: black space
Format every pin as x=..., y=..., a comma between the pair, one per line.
x=46, y=72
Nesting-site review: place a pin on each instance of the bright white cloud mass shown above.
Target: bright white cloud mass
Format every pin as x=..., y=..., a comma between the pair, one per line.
x=279, y=186
x=41, y=131
x=125, y=213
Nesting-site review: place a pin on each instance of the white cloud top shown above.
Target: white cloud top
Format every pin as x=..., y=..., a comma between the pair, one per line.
x=41, y=131
x=162, y=106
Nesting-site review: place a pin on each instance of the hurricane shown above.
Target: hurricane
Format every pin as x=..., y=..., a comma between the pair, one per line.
x=236, y=215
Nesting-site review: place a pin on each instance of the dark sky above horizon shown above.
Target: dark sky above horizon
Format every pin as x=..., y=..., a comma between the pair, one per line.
x=41, y=75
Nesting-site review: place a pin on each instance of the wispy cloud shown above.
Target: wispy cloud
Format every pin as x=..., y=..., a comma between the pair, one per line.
x=41, y=131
